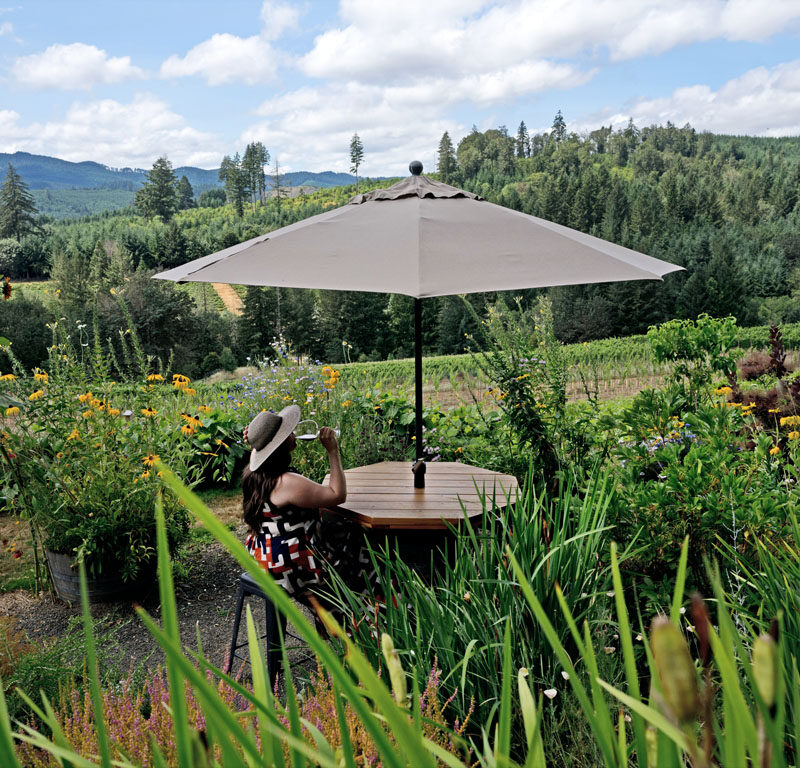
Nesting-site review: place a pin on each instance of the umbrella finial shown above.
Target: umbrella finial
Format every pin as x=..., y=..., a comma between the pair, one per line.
x=415, y=166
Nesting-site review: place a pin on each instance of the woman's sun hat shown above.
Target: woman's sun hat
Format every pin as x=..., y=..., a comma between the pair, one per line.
x=268, y=430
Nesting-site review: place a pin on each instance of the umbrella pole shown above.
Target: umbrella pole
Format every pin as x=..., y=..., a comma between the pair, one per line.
x=419, y=465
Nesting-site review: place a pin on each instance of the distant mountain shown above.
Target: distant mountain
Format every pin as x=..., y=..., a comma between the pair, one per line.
x=43, y=172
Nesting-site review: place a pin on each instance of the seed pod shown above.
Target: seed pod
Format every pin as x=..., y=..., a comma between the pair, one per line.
x=765, y=668
x=397, y=674
x=675, y=669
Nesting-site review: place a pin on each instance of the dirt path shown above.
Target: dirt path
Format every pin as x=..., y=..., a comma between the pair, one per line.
x=229, y=298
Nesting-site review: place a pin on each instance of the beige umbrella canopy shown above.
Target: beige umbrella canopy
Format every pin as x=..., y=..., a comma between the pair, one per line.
x=421, y=238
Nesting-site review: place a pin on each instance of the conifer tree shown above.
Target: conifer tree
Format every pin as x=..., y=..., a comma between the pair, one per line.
x=278, y=190
x=356, y=156
x=255, y=158
x=235, y=181
x=523, y=141
x=447, y=159
x=158, y=195
x=185, y=194
x=257, y=323
x=559, y=127
x=17, y=208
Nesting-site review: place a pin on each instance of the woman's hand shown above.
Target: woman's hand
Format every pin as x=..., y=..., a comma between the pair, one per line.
x=244, y=434
x=328, y=439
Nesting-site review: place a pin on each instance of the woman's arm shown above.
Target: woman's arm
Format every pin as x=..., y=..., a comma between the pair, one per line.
x=292, y=488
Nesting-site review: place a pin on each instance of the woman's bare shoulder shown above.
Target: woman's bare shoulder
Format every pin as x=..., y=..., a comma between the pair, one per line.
x=292, y=488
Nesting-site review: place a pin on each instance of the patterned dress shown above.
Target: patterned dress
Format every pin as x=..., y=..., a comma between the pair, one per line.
x=299, y=548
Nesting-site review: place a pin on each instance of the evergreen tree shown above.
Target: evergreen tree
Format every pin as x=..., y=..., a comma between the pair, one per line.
x=278, y=190
x=185, y=195
x=235, y=181
x=447, y=159
x=559, y=128
x=523, y=141
x=158, y=195
x=17, y=208
x=257, y=323
x=255, y=158
x=356, y=156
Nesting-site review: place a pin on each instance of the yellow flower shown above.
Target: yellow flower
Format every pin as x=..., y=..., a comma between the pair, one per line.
x=151, y=459
x=187, y=430
x=189, y=391
x=60, y=455
x=36, y=395
x=774, y=451
x=87, y=414
x=7, y=377
x=97, y=403
x=180, y=377
x=790, y=421
x=12, y=411
x=155, y=377
x=41, y=376
x=723, y=391
x=347, y=403
x=774, y=410
x=85, y=398
x=793, y=435
x=113, y=411
x=149, y=411
x=222, y=443
x=145, y=474
x=74, y=435
x=205, y=409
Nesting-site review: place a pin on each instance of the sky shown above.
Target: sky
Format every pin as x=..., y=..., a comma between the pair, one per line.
x=127, y=81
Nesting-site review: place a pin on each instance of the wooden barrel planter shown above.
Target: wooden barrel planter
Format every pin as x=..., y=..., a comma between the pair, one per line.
x=106, y=588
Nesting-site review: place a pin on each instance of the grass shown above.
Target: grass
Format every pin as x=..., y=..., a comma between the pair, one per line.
x=15, y=572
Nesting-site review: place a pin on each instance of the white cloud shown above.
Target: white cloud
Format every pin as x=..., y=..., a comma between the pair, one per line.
x=6, y=28
x=226, y=58
x=73, y=66
x=398, y=42
x=761, y=102
x=108, y=131
x=318, y=123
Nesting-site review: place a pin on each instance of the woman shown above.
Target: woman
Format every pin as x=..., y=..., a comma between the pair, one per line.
x=282, y=510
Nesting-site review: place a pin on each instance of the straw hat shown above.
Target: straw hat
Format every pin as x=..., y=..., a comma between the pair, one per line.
x=268, y=430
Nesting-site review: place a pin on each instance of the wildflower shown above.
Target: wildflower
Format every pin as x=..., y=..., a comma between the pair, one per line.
x=151, y=459
x=774, y=451
x=467, y=597
x=12, y=411
x=74, y=435
x=149, y=411
x=790, y=421
x=189, y=391
x=187, y=430
x=155, y=377
x=87, y=414
x=222, y=443
x=347, y=403
x=85, y=398
x=774, y=410
x=60, y=455
x=794, y=434
x=205, y=409
x=145, y=474
x=113, y=411
x=7, y=377
x=41, y=376
x=36, y=395
x=551, y=693
x=97, y=404
x=723, y=391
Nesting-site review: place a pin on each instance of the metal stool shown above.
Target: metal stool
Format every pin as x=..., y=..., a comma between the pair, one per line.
x=276, y=624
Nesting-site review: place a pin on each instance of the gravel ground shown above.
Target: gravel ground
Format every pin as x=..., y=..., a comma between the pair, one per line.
x=206, y=600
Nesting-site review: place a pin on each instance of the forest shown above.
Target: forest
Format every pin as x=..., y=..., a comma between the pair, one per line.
x=724, y=207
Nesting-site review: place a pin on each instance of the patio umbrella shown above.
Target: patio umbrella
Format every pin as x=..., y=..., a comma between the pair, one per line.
x=421, y=238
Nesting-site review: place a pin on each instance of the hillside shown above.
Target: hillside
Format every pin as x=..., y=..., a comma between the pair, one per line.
x=63, y=189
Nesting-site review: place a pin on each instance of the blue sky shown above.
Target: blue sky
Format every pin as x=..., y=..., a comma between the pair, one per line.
x=127, y=81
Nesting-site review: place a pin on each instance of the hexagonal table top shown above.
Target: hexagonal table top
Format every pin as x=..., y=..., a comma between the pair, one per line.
x=383, y=496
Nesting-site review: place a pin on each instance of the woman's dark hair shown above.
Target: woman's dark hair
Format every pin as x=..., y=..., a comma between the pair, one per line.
x=258, y=485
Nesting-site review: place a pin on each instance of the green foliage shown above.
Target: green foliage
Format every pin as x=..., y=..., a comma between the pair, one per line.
x=698, y=350
x=158, y=195
x=17, y=210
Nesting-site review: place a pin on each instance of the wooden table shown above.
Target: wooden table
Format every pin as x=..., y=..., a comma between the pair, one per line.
x=382, y=497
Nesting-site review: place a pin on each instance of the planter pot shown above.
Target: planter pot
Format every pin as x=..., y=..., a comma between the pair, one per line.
x=106, y=588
